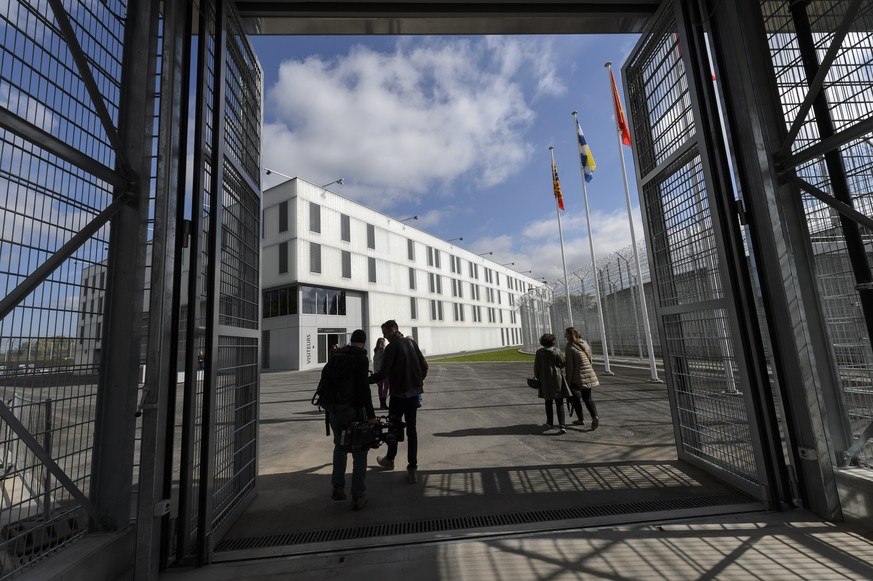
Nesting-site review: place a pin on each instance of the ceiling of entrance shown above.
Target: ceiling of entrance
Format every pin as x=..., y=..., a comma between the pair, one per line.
x=327, y=17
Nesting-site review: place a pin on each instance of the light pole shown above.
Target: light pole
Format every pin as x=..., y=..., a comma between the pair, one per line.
x=461, y=238
x=338, y=181
x=270, y=172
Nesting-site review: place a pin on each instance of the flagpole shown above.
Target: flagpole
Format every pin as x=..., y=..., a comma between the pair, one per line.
x=641, y=292
x=561, y=235
x=606, y=368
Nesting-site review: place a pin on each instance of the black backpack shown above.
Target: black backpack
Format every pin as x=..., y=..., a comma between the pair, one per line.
x=336, y=386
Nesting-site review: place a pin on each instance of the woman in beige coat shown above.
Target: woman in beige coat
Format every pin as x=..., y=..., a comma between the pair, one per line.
x=548, y=365
x=580, y=375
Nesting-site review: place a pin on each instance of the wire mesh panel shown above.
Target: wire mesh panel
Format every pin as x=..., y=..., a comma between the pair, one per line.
x=848, y=90
x=235, y=424
x=56, y=164
x=712, y=423
x=230, y=422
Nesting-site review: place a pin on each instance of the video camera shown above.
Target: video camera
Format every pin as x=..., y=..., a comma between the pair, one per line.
x=362, y=435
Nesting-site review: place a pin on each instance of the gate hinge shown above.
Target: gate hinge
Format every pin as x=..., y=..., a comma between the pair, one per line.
x=162, y=507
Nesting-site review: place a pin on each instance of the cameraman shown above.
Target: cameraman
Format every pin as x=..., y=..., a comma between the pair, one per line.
x=350, y=360
x=405, y=367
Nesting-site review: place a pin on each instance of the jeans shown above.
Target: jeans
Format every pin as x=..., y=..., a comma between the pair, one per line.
x=339, y=421
x=559, y=401
x=586, y=397
x=405, y=407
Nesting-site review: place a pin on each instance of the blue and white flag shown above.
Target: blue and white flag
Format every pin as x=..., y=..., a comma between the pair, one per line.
x=586, y=158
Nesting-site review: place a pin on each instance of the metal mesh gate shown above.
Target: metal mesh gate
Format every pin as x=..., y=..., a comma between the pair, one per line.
x=60, y=71
x=697, y=328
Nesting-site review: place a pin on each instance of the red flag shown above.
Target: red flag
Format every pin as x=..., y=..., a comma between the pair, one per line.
x=557, y=185
x=619, y=112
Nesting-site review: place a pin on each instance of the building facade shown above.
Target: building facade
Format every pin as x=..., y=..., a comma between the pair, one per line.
x=331, y=265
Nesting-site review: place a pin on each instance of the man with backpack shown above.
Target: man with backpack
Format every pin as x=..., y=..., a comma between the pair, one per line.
x=344, y=394
x=405, y=367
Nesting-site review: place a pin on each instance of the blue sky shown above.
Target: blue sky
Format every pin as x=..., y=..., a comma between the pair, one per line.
x=457, y=130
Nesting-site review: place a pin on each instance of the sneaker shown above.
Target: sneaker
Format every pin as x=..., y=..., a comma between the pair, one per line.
x=562, y=430
x=411, y=476
x=359, y=502
x=595, y=421
x=579, y=422
x=339, y=493
x=385, y=462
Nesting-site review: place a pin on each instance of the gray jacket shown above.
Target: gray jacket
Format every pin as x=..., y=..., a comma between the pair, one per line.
x=580, y=372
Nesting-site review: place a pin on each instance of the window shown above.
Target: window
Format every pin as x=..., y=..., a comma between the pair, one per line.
x=283, y=257
x=345, y=228
x=458, y=264
x=497, y=292
x=501, y=315
x=436, y=310
x=411, y=279
x=314, y=257
x=410, y=249
x=459, y=311
x=347, y=264
x=431, y=284
x=283, y=217
x=454, y=288
x=371, y=269
x=322, y=301
x=413, y=308
x=371, y=237
x=314, y=217
x=429, y=256
x=436, y=258
x=477, y=314
x=439, y=284
x=279, y=302
x=452, y=263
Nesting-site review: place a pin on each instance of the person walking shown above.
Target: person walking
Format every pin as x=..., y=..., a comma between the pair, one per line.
x=405, y=368
x=581, y=375
x=548, y=368
x=344, y=385
x=378, y=354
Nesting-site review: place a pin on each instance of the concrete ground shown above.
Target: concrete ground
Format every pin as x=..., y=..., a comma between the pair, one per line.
x=501, y=497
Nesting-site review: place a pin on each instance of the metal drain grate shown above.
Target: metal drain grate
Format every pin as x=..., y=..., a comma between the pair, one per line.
x=473, y=522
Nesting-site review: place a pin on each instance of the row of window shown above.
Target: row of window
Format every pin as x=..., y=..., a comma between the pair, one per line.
x=433, y=254
x=458, y=311
x=281, y=302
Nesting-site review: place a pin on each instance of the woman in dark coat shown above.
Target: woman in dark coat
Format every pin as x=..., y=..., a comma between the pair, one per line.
x=580, y=375
x=548, y=368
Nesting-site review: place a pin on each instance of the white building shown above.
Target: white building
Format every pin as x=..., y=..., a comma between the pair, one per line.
x=330, y=266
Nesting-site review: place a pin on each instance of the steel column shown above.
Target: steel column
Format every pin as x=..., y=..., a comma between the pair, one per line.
x=158, y=409
x=115, y=425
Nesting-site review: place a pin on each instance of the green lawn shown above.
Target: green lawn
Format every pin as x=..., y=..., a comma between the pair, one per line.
x=505, y=355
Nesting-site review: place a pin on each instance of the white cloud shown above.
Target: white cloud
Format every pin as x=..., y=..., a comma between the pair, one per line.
x=539, y=247
x=421, y=118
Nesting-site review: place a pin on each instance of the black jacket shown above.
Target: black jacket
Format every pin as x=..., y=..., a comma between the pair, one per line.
x=403, y=365
x=356, y=359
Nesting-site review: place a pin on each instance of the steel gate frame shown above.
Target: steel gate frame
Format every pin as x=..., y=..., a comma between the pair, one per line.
x=738, y=444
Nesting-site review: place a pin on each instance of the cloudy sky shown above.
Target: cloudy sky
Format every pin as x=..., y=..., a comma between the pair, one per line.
x=457, y=130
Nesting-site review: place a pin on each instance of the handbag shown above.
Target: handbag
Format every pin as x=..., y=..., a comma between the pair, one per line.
x=533, y=382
